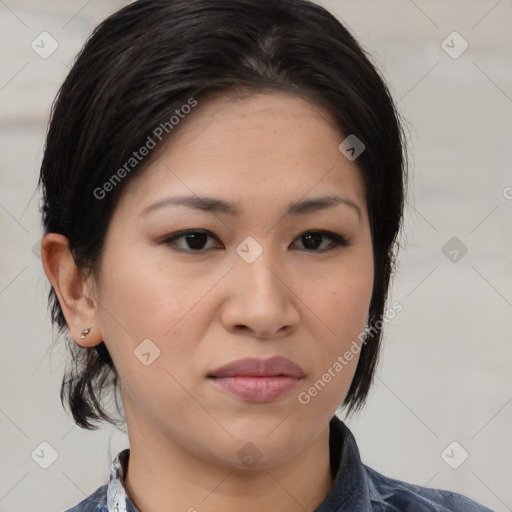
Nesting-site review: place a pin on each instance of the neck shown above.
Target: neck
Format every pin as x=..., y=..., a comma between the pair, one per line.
x=162, y=475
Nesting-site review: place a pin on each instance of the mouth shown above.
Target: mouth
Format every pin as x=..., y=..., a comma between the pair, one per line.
x=258, y=380
x=254, y=367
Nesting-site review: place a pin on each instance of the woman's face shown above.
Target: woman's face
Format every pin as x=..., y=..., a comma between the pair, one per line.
x=251, y=284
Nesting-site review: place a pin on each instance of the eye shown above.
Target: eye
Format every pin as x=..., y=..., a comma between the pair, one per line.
x=195, y=240
x=313, y=239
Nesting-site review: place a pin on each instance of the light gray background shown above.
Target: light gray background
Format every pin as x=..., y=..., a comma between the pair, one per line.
x=446, y=369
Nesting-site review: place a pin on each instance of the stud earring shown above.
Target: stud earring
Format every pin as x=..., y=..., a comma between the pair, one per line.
x=85, y=332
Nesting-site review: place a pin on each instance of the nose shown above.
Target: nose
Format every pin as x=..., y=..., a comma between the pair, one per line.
x=260, y=301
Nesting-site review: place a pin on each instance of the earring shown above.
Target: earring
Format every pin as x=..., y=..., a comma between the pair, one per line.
x=85, y=332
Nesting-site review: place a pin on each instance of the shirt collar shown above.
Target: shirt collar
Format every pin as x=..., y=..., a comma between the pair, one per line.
x=350, y=488
x=349, y=491
x=117, y=499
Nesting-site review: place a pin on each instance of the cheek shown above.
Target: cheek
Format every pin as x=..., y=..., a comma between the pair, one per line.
x=142, y=302
x=342, y=306
x=342, y=301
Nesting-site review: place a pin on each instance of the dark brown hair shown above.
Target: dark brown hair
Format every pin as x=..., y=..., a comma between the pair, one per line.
x=147, y=60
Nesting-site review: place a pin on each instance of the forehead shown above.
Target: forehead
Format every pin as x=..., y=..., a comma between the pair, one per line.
x=270, y=148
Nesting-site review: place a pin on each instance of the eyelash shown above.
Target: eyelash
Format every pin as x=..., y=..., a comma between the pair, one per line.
x=337, y=240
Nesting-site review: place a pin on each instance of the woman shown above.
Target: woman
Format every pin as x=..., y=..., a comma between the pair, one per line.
x=256, y=128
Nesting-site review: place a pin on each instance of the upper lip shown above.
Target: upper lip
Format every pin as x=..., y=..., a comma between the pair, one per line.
x=254, y=367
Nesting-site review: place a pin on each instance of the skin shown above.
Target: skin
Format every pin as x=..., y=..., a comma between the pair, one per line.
x=205, y=309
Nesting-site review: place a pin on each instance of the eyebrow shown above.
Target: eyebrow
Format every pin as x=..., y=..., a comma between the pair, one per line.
x=211, y=204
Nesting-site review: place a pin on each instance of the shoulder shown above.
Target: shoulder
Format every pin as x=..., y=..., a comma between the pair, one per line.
x=96, y=502
x=390, y=495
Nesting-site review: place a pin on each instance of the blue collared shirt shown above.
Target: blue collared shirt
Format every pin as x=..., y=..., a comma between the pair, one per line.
x=356, y=487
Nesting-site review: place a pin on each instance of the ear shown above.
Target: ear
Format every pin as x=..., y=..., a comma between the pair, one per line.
x=66, y=279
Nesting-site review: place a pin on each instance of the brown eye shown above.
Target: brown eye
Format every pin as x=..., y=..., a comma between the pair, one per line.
x=192, y=240
x=312, y=240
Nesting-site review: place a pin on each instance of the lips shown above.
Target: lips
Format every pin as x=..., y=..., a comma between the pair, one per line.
x=253, y=367
x=258, y=380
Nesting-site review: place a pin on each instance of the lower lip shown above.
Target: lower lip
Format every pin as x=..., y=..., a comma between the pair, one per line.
x=257, y=389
